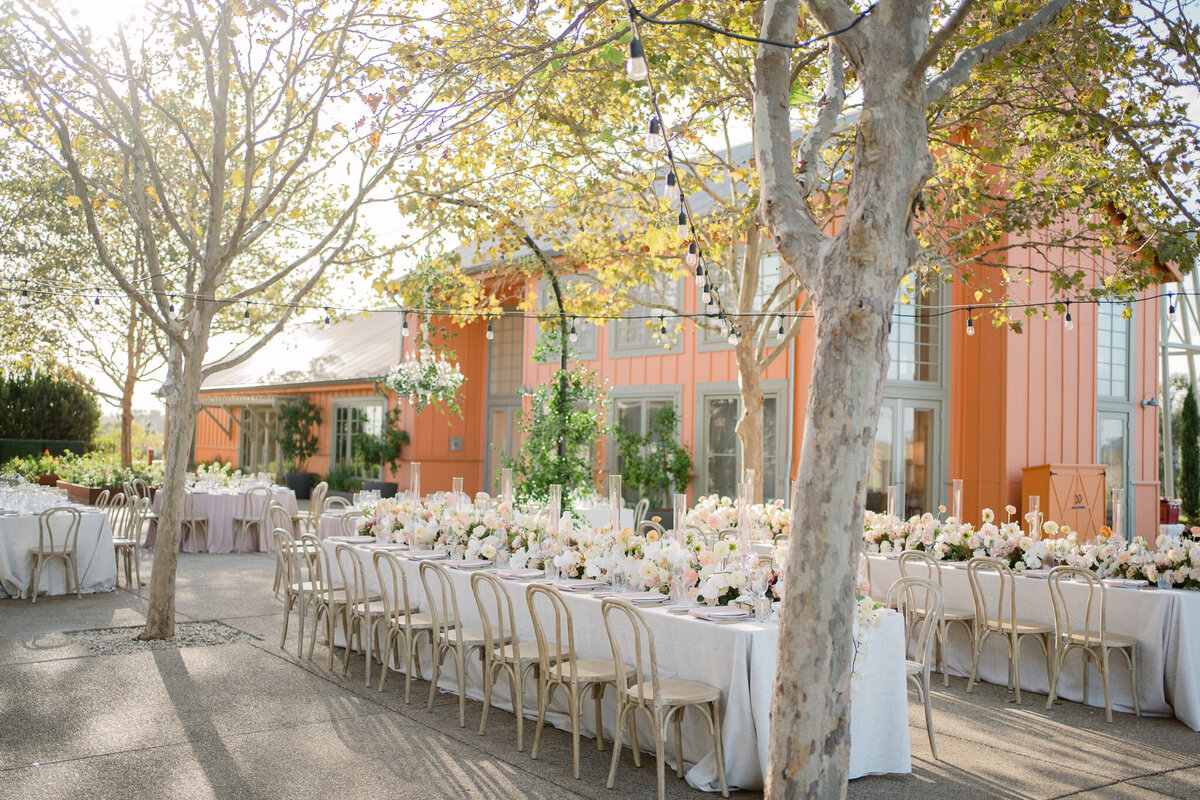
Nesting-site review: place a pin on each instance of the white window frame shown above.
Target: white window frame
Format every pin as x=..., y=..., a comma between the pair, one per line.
x=587, y=345
x=672, y=392
x=650, y=346
x=1118, y=407
x=708, y=341
x=336, y=457
x=776, y=388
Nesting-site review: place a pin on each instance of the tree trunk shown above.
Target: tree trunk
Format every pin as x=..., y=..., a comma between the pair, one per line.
x=750, y=422
x=127, y=420
x=182, y=393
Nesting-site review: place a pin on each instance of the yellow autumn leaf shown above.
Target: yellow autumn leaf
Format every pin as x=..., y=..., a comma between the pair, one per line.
x=978, y=295
x=290, y=94
x=73, y=201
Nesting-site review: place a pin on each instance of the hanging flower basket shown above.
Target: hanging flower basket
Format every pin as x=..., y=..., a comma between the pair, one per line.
x=426, y=378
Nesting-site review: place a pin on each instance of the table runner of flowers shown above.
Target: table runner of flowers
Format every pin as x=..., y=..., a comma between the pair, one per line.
x=1176, y=558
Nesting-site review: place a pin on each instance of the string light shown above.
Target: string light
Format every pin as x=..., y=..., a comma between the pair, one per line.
x=246, y=315
x=970, y=323
x=781, y=331
x=684, y=227
x=1067, y=323
x=171, y=306
x=692, y=259
x=573, y=337
x=662, y=325
x=671, y=188
x=700, y=278
x=653, y=140
x=404, y=326
x=1171, y=308
x=635, y=66
x=707, y=294
x=328, y=314
x=491, y=333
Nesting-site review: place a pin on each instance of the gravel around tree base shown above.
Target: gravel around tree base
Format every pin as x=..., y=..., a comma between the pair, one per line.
x=119, y=641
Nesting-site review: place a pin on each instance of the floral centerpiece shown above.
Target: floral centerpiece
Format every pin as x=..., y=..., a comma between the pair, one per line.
x=426, y=377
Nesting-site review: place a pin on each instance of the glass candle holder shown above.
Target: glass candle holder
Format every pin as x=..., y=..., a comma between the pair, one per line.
x=1033, y=517
x=615, y=501
x=956, y=500
x=678, y=512
x=414, y=486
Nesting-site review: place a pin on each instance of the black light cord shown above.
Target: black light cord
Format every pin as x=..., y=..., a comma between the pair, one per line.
x=634, y=11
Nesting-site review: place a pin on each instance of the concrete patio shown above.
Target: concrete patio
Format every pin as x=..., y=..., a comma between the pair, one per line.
x=251, y=720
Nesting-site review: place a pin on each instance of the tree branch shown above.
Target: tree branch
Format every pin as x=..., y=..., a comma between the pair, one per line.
x=942, y=36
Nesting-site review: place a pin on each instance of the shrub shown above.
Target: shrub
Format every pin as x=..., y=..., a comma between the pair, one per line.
x=35, y=405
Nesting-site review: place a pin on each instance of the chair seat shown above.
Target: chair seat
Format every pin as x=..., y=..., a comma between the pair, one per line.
x=913, y=668
x=677, y=692
x=519, y=652
x=55, y=551
x=304, y=587
x=373, y=608
x=192, y=520
x=588, y=670
x=957, y=615
x=469, y=636
x=122, y=542
x=1093, y=638
x=1022, y=626
x=418, y=620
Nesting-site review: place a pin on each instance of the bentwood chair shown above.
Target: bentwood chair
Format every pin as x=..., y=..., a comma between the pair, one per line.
x=193, y=527
x=922, y=564
x=919, y=601
x=58, y=537
x=1086, y=630
x=663, y=700
x=278, y=519
x=142, y=489
x=316, y=500
x=335, y=502
x=102, y=500
x=299, y=586
x=639, y=512
x=449, y=635
x=502, y=651
x=404, y=624
x=648, y=525
x=127, y=537
x=560, y=669
x=251, y=517
x=363, y=610
x=995, y=614
x=330, y=600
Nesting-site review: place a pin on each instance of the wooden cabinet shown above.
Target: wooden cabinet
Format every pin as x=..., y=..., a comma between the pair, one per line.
x=1071, y=494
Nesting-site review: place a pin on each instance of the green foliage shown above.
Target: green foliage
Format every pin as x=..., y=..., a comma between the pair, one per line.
x=376, y=450
x=652, y=463
x=35, y=405
x=104, y=469
x=108, y=440
x=298, y=420
x=569, y=409
x=342, y=479
x=31, y=467
x=1189, y=473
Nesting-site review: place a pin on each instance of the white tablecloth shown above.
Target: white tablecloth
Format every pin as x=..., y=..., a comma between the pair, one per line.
x=219, y=508
x=94, y=554
x=1163, y=621
x=332, y=522
x=740, y=659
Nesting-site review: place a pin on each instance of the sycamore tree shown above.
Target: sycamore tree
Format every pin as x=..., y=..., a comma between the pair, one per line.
x=254, y=137
x=563, y=166
x=927, y=138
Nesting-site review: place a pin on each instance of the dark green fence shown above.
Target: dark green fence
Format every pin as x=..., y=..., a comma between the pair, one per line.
x=31, y=447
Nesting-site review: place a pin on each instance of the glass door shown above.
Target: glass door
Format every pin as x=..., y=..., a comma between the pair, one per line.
x=907, y=453
x=1112, y=445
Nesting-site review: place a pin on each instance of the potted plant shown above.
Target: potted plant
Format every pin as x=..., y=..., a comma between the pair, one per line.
x=652, y=463
x=297, y=439
x=343, y=482
x=377, y=450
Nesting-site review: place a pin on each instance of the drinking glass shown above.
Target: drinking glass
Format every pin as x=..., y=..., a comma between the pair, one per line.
x=620, y=582
x=414, y=470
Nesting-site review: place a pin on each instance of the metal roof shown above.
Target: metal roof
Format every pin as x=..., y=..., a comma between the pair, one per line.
x=361, y=347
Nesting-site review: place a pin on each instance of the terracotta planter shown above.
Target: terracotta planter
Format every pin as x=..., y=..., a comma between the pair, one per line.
x=87, y=494
x=47, y=480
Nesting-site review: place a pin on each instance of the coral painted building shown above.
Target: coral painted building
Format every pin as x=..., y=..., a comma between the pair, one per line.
x=977, y=407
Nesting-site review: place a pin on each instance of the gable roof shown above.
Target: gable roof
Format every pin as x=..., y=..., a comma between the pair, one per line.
x=360, y=347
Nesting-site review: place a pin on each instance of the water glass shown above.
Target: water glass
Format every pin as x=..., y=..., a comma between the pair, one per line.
x=1165, y=580
x=762, y=609
x=620, y=581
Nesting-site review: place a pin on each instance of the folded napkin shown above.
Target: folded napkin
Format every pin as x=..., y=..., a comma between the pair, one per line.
x=351, y=539
x=390, y=546
x=1036, y=574
x=520, y=574
x=642, y=598
x=578, y=585
x=425, y=555
x=469, y=563
x=1124, y=583
x=718, y=613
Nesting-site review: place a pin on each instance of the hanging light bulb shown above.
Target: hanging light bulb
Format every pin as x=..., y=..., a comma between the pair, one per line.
x=1171, y=308
x=572, y=337
x=692, y=259
x=707, y=294
x=700, y=277
x=684, y=227
x=171, y=306
x=96, y=302
x=671, y=189
x=328, y=314
x=246, y=315
x=653, y=140
x=404, y=327
x=970, y=323
x=662, y=325
x=781, y=332
x=491, y=334
x=1068, y=324
x=734, y=338
x=635, y=66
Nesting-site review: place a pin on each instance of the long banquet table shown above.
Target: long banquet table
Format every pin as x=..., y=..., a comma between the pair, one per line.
x=94, y=554
x=738, y=658
x=1162, y=620
x=219, y=507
